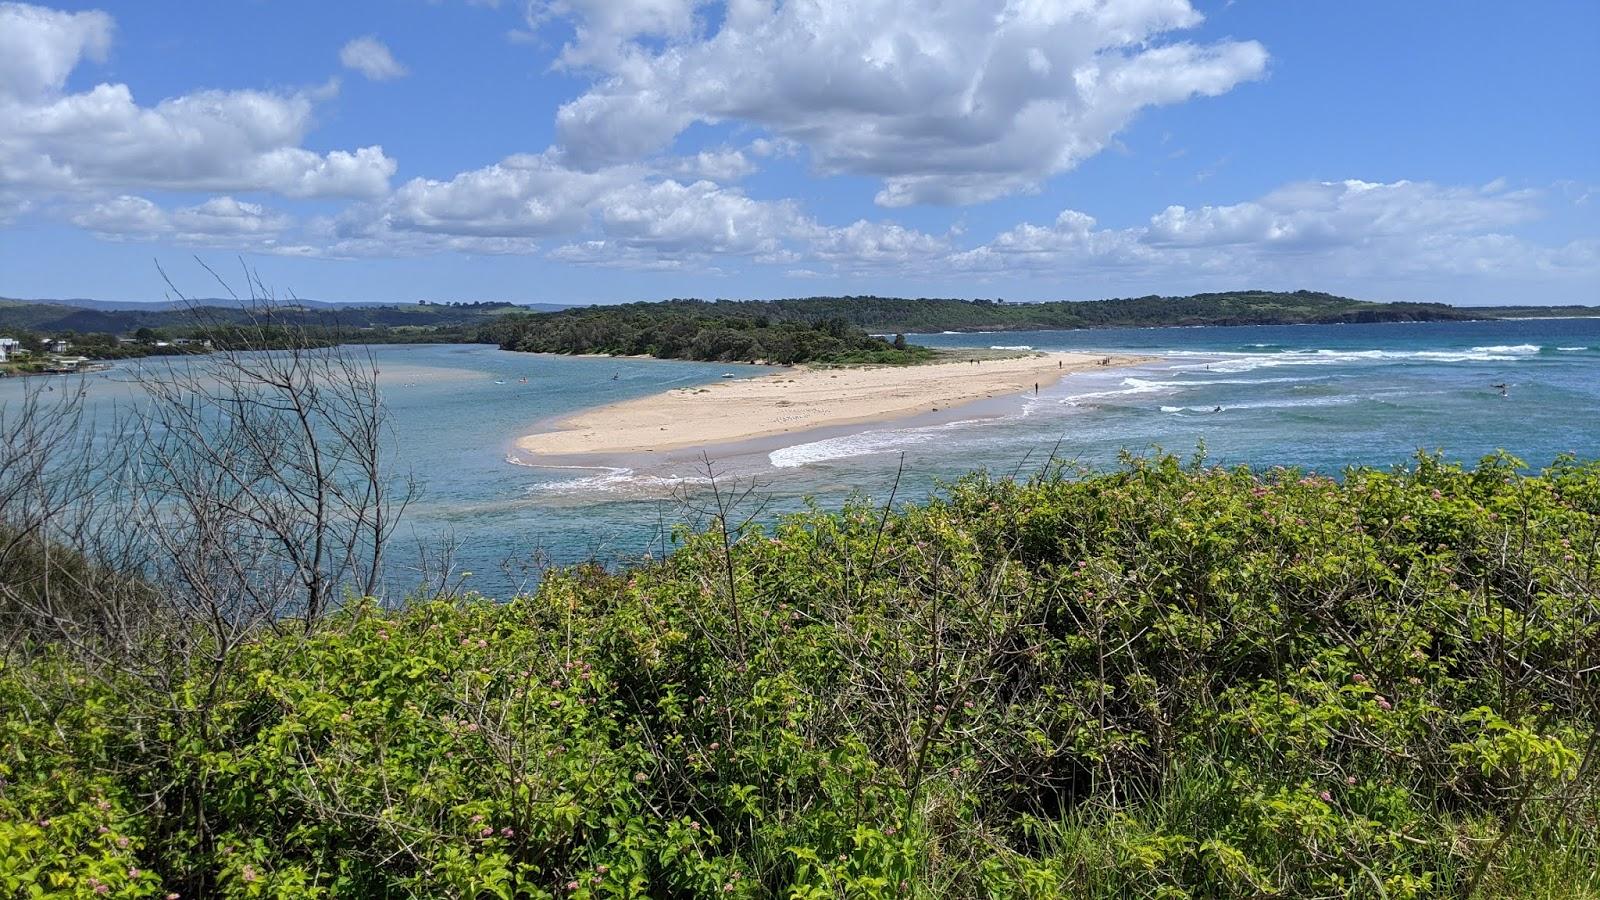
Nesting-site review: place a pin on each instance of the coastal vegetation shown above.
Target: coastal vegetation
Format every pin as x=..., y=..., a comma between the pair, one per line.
x=1229, y=308
x=1170, y=679
x=791, y=330
x=723, y=332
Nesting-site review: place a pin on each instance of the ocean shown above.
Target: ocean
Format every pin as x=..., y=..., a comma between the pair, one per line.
x=1315, y=397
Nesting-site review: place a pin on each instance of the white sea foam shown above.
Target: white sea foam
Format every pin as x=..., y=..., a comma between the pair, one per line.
x=1235, y=363
x=1010, y=347
x=606, y=480
x=865, y=443
x=1571, y=349
x=1266, y=404
x=1130, y=386
x=1197, y=382
x=619, y=481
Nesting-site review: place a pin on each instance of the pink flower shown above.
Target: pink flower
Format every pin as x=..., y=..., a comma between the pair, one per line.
x=486, y=832
x=727, y=888
x=1326, y=797
x=133, y=872
x=100, y=887
x=1350, y=779
x=248, y=873
x=572, y=885
x=122, y=842
x=602, y=869
x=1384, y=704
x=1359, y=678
x=716, y=745
x=507, y=832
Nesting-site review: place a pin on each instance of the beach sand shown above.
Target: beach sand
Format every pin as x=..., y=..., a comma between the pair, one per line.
x=801, y=399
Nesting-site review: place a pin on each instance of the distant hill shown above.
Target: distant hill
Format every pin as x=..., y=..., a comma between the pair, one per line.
x=1229, y=308
x=926, y=314
x=90, y=316
x=493, y=321
x=246, y=303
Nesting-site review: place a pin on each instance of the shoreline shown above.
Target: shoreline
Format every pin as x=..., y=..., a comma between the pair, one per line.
x=799, y=400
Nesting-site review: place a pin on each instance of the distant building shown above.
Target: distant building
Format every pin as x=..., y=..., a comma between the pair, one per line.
x=58, y=345
x=9, y=348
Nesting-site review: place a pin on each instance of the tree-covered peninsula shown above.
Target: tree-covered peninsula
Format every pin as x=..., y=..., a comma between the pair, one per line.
x=807, y=329
x=725, y=332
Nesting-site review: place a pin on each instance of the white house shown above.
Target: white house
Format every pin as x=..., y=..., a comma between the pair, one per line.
x=9, y=348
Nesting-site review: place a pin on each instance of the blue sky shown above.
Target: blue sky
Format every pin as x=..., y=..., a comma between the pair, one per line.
x=605, y=150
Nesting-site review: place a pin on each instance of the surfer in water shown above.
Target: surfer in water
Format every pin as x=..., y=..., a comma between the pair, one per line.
x=1216, y=409
x=1503, y=388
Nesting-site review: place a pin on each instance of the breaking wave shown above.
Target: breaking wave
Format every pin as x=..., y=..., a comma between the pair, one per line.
x=618, y=480
x=1235, y=363
x=865, y=443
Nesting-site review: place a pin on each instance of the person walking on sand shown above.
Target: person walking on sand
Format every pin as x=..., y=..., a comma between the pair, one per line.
x=1036, y=388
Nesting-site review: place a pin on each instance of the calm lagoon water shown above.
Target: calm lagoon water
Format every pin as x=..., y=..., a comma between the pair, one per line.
x=1317, y=397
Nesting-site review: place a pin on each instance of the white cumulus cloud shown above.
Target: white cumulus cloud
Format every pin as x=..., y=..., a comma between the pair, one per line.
x=102, y=138
x=220, y=221
x=371, y=57
x=947, y=103
x=39, y=47
x=1324, y=233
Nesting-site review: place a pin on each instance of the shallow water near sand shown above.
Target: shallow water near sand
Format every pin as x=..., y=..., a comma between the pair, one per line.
x=1316, y=397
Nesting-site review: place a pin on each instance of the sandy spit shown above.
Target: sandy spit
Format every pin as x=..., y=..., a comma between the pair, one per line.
x=800, y=399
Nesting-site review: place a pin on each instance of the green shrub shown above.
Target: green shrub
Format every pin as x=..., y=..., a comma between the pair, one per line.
x=1164, y=681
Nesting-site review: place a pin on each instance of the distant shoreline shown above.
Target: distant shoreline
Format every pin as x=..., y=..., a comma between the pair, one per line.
x=802, y=399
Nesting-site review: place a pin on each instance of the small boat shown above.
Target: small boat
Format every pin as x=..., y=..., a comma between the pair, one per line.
x=499, y=382
x=727, y=375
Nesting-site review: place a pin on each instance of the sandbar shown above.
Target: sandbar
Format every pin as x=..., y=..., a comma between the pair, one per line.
x=801, y=399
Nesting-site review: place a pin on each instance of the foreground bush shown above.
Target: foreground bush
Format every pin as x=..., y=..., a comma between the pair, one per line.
x=1163, y=682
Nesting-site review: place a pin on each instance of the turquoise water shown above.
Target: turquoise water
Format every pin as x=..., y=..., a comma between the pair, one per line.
x=1318, y=397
